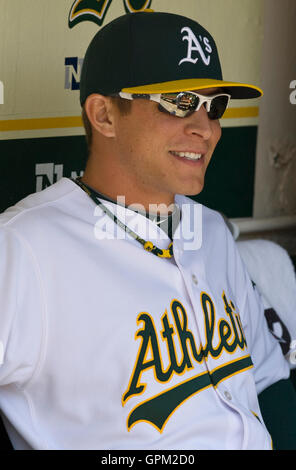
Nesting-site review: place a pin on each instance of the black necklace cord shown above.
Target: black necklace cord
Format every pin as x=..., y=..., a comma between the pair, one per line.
x=147, y=245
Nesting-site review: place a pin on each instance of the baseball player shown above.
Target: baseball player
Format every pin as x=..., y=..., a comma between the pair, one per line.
x=128, y=320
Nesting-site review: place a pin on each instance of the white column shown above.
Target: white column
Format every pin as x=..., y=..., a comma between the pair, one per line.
x=275, y=178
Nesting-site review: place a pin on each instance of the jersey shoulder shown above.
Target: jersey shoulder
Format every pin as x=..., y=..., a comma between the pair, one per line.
x=36, y=203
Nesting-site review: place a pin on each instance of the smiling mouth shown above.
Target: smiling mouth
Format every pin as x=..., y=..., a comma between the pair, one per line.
x=188, y=155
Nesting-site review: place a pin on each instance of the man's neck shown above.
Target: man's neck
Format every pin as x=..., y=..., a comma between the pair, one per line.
x=152, y=204
x=168, y=221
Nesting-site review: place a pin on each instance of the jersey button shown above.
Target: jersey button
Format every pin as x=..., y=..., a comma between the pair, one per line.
x=227, y=395
x=194, y=279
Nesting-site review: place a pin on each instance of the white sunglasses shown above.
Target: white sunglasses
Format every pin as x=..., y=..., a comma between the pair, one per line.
x=185, y=103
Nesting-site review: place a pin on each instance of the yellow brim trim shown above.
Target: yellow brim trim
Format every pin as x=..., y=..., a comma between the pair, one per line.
x=190, y=84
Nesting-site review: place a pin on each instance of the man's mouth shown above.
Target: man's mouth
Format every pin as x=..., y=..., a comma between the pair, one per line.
x=188, y=155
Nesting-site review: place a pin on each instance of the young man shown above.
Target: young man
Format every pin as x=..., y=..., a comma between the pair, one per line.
x=135, y=327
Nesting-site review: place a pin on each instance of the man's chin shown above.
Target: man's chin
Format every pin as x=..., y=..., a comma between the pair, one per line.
x=193, y=190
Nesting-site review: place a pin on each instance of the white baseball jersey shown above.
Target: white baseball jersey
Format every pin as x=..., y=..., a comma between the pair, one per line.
x=107, y=346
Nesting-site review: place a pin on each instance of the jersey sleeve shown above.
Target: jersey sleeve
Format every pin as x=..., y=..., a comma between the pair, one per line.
x=270, y=365
x=21, y=310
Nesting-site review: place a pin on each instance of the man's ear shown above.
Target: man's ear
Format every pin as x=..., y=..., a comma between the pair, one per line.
x=100, y=113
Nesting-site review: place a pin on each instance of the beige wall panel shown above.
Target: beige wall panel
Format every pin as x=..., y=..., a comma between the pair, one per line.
x=35, y=39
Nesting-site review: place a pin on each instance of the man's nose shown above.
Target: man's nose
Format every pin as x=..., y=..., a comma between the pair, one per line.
x=198, y=123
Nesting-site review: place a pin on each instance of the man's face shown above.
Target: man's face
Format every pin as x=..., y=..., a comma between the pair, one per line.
x=151, y=146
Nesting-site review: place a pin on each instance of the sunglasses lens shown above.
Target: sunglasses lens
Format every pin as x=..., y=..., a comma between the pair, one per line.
x=218, y=107
x=185, y=103
x=179, y=104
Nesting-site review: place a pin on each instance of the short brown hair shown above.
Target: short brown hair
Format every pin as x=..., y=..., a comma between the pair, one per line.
x=124, y=107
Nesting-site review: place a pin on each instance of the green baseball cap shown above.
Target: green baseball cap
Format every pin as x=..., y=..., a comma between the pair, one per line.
x=153, y=52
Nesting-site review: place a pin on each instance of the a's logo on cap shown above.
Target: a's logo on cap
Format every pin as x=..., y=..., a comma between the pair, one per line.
x=195, y=44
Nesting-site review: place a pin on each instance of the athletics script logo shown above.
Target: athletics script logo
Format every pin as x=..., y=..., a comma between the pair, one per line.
x=195, y=45
x=228, y=329
x=96, y=10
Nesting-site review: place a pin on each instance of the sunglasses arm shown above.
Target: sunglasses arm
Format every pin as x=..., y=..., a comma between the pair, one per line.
x=149, y=97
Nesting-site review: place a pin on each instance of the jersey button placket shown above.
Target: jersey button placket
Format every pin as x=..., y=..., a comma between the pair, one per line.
x=194, y=279
x=227, y=395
